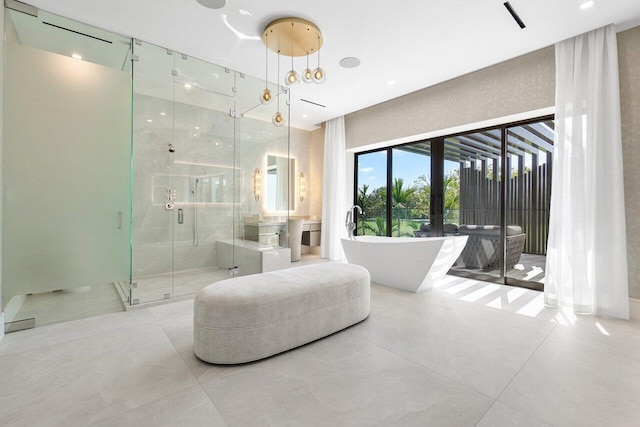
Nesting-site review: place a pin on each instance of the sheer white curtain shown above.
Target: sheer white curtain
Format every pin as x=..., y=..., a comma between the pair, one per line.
x=587, y=254
x=334, y=191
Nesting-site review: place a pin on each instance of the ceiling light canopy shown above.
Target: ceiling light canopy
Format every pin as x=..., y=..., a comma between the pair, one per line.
x=212, y=4
x=291, y=37
x=295, y=37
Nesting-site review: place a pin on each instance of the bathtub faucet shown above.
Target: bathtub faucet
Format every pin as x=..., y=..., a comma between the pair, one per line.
x=350, y=220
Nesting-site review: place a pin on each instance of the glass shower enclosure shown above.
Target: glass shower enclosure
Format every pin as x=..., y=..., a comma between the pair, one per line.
x=201, y=139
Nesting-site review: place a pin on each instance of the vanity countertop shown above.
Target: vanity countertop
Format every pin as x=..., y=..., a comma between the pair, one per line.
x=278, y=223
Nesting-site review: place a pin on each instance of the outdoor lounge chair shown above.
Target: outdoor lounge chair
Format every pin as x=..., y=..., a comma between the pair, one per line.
x=483, y=247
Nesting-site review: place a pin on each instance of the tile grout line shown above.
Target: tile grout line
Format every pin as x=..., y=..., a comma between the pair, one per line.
x=214, y=404
x=520, y=370
x=427, y=368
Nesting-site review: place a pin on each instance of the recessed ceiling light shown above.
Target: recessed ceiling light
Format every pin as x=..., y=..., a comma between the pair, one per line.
x=212, y=4
x=187, y=86
x=163, y=113
x=150, y=121
x=76, y=56
x=197, y=127
x=587, y=4
x=349, y=62
x=391, y=82
x=304, y=116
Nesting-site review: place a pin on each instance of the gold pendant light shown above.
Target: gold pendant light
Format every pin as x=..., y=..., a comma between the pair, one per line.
x=266, y=97
x=291, y=77
x=307, y=74
x=293, y=37
x=278, y=119
x=319, y=74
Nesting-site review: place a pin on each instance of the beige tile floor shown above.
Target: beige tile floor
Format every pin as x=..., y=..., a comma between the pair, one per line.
x=462, y=354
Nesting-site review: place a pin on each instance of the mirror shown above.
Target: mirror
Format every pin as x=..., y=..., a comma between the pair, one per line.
x=280, y=183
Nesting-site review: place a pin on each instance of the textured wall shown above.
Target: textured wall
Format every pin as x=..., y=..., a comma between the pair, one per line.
x=522, y=84
x=629, y=63
x=1, y=161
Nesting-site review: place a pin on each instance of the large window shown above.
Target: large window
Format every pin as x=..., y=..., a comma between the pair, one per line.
x=410, y=188
x=493, y=185
x=372, y=193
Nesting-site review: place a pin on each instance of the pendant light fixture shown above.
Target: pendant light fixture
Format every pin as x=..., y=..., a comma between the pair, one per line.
x=291, y=77
x=278, y=119
x=307, y=74
x=319, y=74
x=293, y=37
x=266, y=97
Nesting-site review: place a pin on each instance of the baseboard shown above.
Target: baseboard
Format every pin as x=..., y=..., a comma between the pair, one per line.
x=12, y=307
x=634, y=308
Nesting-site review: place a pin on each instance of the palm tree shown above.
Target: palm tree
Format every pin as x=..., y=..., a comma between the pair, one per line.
x=379, y=226
x=363, y=201
x=403, y=199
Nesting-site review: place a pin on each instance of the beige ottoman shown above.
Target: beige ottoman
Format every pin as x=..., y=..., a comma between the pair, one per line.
x=252, y=317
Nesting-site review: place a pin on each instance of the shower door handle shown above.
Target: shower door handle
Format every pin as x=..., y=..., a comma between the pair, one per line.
x=180, y=216
x=120, y=220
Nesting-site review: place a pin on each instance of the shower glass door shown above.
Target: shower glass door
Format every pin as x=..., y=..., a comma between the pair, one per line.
x=204, y=174
x=153, y=182
x=200, y=133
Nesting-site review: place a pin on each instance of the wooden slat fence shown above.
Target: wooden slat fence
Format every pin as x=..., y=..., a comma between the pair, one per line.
x=528, y=199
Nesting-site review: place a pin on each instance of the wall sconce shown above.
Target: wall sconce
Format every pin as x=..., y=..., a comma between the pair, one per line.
x=257, y=184
x=302, y=186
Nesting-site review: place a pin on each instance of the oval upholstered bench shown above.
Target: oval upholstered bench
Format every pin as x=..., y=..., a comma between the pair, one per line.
x=252, y=317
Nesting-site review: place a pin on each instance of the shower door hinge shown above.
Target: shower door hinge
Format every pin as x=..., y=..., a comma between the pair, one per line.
x=138, y=42
x=233, y=271
x=133, y=285
x=234, y=113
x=135, y=58
x=185, y=56
x=234, y=89
x=174, y=73
x=169, y=52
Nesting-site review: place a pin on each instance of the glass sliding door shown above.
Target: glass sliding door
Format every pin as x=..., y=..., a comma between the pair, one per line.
x=471, y=186
x=372, y=193
x=528, y=191
x=411, y=190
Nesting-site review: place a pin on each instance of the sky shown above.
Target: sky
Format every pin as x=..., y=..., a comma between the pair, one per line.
x=372, y=168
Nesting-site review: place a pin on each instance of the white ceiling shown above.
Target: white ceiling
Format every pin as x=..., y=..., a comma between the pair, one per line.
x=415, y=43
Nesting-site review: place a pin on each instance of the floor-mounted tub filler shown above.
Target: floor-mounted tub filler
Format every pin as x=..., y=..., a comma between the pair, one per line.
x=410, y=264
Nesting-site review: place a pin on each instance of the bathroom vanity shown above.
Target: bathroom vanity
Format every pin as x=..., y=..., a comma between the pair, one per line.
x=273, y=232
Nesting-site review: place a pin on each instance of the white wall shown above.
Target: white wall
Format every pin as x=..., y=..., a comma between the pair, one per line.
x=2, y=11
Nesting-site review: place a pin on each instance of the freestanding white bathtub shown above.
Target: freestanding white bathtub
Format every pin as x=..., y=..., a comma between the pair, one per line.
x=407, y=263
